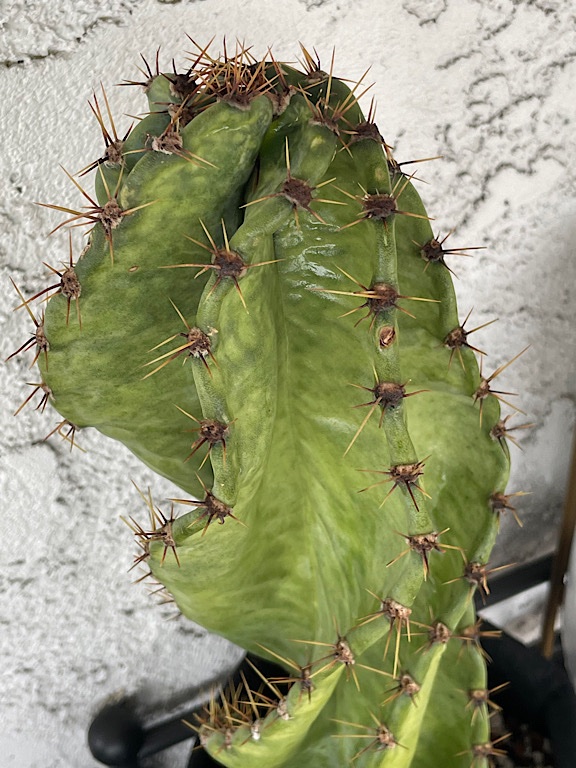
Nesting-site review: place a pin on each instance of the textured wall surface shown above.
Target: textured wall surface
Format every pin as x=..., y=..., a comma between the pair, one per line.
x=490, y=86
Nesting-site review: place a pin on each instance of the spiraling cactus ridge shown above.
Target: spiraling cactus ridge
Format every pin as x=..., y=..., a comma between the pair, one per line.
x=264, y=316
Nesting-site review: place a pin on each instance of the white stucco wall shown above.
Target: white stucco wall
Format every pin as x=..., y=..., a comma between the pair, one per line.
x=488, y=85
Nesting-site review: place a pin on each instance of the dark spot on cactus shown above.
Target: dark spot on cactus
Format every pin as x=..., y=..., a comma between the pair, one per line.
x=214, y=509
x=384, y=298
x=403, y=475
x=304, y=680
x=500, y=503
x=386, y=336
x=198, y=343
x=381, y=206
x=366, y=131
x=298, y=193
x=67, y=431
x=477, y=575
x=183, y=113
x=46, y=395
x=333, y=116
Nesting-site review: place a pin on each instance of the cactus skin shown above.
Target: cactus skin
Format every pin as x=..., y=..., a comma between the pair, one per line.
x=361, y=579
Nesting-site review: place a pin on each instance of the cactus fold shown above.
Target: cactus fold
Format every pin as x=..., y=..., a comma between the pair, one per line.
x=266, y=319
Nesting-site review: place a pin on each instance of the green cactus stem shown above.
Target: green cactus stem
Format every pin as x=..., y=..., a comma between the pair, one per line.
x=266, y=317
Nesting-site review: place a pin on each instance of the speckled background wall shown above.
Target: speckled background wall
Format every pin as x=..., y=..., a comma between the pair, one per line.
x=488, y=85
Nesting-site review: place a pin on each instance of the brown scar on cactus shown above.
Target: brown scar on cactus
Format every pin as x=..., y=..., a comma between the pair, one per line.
x=211, y=432
x=109, y=215
x=423, y=544
x=401, y=475
x=458, y=338
x=433, y=251
x=380, y=298
x=197, y=345
x=381, y=737
x=226, y=262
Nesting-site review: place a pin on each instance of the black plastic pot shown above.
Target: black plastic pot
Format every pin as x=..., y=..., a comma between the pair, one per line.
x=539, y=693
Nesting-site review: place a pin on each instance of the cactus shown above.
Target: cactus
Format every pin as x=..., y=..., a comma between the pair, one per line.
x=264, y=316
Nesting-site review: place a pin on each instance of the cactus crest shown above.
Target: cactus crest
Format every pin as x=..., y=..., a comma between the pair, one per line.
x=255, y=250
